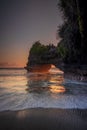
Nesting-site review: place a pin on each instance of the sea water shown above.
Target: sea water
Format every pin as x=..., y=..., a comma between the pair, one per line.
x=20, y=89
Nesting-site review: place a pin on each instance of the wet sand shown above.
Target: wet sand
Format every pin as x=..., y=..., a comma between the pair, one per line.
x=44, y=119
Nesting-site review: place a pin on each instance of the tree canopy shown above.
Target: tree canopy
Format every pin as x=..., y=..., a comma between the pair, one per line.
x=72, y=31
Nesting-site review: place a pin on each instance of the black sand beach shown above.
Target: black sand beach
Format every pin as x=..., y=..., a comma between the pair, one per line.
x=44, y=119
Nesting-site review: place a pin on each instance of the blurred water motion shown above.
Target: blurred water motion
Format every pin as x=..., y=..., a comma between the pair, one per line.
x=20, y=89
x=46, y=82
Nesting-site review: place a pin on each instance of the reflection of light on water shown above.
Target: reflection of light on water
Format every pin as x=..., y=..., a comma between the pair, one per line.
x=57, y=79
x=38, y=77
x=14, y=84
x=37, y=89
x=44, y=82
x=57, y=89
x=44, y=90
x=54, y=69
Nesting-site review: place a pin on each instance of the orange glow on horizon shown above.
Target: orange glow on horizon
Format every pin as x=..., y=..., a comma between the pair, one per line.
x=13, y=63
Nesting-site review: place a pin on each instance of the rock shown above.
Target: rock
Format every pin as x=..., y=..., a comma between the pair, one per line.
x=50, y=56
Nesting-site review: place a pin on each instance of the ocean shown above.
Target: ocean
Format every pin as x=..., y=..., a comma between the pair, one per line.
x=20, y=89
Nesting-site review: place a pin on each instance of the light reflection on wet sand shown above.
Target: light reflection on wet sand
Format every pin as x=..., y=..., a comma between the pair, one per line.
x=44, y=119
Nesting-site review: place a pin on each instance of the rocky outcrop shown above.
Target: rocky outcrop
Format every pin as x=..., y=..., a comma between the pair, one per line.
x=51, y=56
x=48, y=56
x=75, y=72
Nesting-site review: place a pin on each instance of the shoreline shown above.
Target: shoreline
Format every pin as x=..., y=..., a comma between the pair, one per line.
x=76, y=77
x=44, y=119
x=74, y=72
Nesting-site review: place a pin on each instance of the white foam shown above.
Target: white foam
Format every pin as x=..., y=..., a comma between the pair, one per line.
x=35, y=101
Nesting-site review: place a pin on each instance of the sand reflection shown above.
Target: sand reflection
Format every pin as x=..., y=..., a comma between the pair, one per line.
x=22, y=114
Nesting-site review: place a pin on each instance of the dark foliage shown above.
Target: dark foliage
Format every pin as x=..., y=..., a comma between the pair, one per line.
x=73, y=31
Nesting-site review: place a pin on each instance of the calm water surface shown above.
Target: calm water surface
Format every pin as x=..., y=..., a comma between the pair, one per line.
x=20, y=89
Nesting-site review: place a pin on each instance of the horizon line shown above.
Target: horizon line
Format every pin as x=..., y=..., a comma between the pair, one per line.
x=11, y=67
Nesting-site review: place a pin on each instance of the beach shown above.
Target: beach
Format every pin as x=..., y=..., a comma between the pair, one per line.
x=44, y=119
x=38, y=101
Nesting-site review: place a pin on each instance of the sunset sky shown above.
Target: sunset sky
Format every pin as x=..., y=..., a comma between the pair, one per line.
x=22, y=22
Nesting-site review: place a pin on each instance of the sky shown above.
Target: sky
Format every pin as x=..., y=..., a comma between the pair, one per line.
x=22, y=22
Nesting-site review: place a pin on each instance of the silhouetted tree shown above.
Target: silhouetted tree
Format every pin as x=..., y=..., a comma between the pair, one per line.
x=72, y=31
